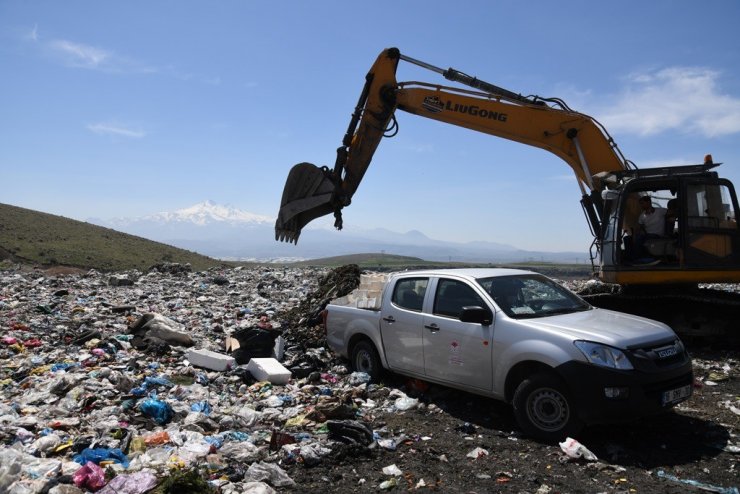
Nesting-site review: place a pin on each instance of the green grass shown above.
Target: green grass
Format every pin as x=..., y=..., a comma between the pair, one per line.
x=44, y=239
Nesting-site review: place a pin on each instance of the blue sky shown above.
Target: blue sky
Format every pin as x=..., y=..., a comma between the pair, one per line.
x=120, y=109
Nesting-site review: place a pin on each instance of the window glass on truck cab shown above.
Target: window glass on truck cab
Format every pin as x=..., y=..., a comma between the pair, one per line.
x=409, y=293
x=529, y=296
x=452, y=295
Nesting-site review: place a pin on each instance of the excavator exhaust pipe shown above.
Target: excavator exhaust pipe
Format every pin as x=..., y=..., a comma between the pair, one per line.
x=308, y=194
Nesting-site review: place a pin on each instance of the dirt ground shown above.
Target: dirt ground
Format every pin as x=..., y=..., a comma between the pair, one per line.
x=696, y=442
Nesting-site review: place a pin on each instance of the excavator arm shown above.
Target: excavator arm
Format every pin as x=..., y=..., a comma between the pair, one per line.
x=579, y=140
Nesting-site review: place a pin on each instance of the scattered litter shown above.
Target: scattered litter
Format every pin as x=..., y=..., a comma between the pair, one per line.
x=574, y=450
x=134, y=483
x=700, y=485
x=388, y=484
x=103, y=390
x=477, y=453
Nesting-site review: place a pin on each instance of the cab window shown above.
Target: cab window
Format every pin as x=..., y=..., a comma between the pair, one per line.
x=452, y=295
x=710, y=206
x=409, y=293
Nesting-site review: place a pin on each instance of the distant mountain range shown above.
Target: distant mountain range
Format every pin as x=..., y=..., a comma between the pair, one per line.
x=226, y=232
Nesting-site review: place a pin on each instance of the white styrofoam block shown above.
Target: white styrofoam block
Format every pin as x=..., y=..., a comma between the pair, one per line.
x=278, y=351
x=211, y=360
x=268, y=369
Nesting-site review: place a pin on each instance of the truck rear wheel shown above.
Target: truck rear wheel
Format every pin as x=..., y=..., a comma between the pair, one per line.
x=544, y=409
x=364, y=358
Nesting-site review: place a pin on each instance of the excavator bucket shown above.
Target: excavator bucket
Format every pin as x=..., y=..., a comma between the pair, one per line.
x=307, y=195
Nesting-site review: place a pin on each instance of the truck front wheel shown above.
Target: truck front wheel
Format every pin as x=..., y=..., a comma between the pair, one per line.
x=544, y=409
x=364, y=358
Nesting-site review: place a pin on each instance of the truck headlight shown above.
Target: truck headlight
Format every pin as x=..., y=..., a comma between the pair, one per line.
x=603, y=355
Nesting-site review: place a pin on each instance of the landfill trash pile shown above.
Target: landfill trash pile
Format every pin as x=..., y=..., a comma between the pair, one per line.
x=219, y=381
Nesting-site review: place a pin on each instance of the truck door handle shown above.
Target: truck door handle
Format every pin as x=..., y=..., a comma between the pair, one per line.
x=389, y=319
x=432, y=327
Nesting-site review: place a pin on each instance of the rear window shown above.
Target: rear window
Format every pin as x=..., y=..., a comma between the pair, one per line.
x=409, y=293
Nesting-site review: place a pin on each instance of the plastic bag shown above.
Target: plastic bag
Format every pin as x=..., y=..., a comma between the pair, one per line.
x=576, y=450
x=350, y=432
x=254, y=342
x=269, y=472
x=89, y=476
x=202, y=406
x=357, y=378
x=405, y=403
x=96, y=455
x=159, y=411
x=11, y=464
x=156, y=439
x=135, y=483
x=392, y=470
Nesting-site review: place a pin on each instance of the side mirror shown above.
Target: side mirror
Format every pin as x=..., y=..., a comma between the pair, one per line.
x=476, y=314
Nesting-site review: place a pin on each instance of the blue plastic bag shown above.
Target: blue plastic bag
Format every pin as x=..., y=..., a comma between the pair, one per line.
x=96, y=455
x=160, y=411
x=202, y=406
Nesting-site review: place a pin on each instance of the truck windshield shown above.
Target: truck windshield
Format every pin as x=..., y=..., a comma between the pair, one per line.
x=529, y=296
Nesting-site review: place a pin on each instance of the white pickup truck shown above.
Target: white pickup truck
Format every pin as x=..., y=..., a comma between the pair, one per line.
x=519, y=337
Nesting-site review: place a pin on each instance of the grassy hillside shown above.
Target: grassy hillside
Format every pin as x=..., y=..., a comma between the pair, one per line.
x=45, y=239
x=389, y=262
x=377, y=262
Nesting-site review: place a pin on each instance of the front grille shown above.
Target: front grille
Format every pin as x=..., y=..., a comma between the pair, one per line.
x=660, y=356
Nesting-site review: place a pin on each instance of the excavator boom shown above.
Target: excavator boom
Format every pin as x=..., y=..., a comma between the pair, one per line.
x=311, y=192
x=701, y=245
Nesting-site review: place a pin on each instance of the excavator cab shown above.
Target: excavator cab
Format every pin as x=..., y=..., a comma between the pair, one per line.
x=699, y=240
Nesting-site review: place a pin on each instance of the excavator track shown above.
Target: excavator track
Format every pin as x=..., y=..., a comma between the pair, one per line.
x=700, y=315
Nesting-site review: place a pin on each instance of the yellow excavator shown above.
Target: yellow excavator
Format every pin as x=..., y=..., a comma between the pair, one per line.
x=700, y=242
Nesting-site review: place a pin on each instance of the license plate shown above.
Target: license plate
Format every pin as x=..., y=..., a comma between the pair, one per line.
x=677, y=395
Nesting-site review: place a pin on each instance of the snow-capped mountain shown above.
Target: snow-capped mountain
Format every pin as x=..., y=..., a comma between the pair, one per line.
x=200, y=214
x=227, y=232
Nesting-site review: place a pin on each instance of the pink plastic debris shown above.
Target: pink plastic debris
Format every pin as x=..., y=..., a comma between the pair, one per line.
x=89, y=476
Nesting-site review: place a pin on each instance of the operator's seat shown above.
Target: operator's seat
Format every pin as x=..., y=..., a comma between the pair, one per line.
x=665, y=247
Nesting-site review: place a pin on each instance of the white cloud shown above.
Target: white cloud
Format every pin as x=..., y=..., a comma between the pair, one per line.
x=115, y=130
x=80, y=55
x=686, y=99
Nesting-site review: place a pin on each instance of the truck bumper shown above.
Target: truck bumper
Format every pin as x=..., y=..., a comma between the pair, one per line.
x=604, y=395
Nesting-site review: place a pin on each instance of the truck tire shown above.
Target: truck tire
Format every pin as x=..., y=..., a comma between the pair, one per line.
x=364, y=358
x=544, y=409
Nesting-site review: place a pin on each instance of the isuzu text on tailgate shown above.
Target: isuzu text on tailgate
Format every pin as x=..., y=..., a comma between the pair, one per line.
x=519, y=337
